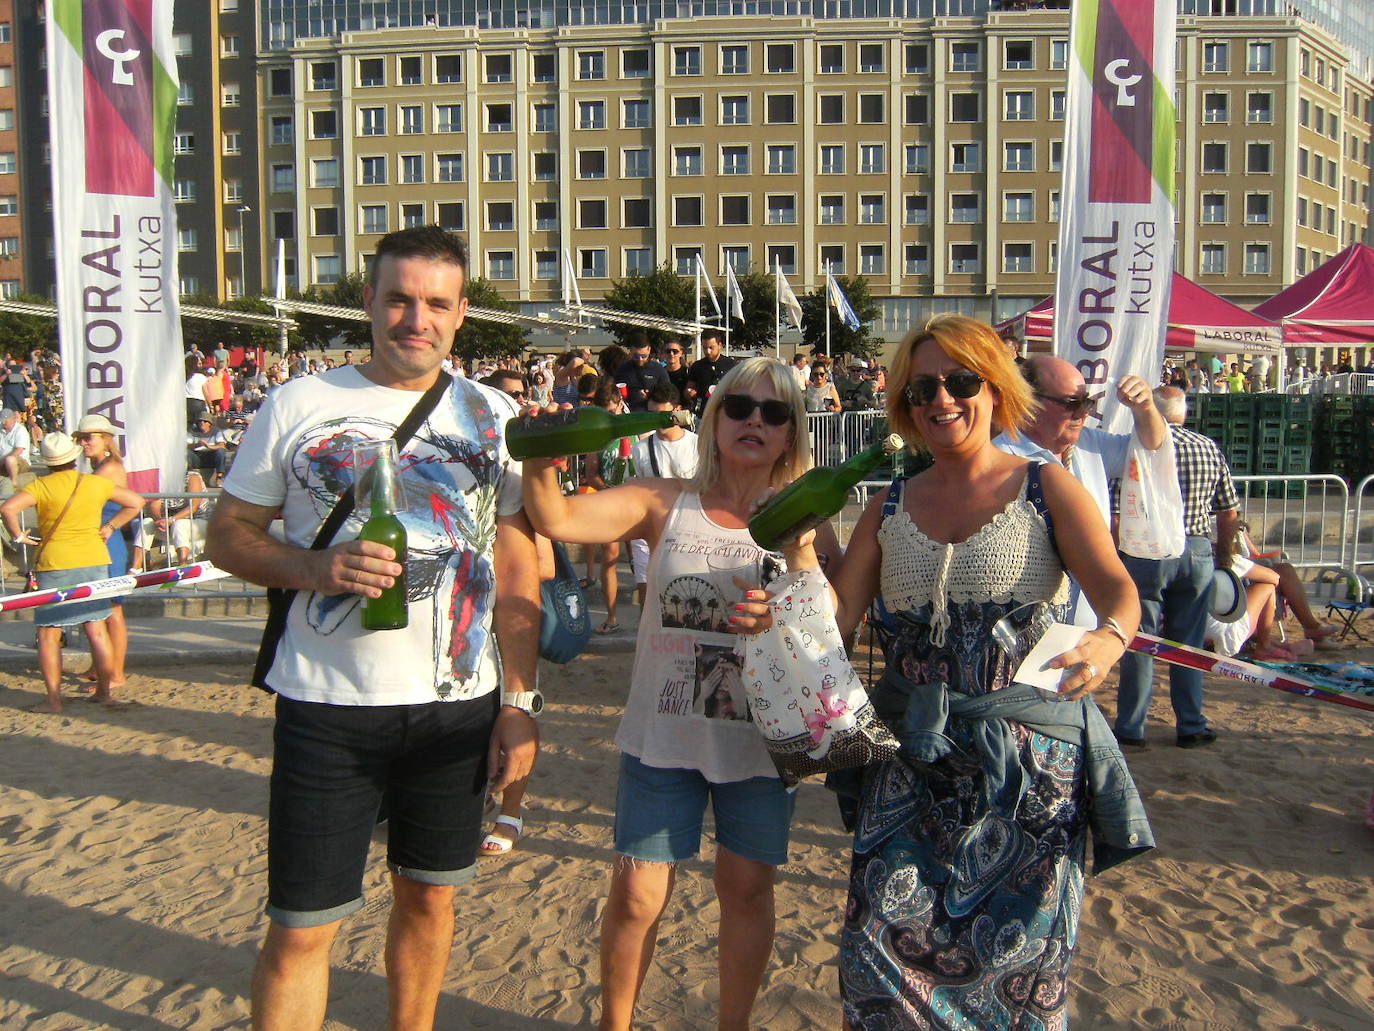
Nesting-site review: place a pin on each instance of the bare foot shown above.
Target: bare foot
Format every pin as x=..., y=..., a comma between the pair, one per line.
x=46, y=707
x=103, y=697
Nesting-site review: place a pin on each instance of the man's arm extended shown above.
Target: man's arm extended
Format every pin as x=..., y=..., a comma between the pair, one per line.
x=515, y=617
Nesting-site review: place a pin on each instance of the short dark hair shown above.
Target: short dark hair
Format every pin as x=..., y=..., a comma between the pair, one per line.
x=664, y=392
x=606, y=392
x=500, y=376
x=586, y=384
x=711, y=331
x=421, y=242
x=637, y=340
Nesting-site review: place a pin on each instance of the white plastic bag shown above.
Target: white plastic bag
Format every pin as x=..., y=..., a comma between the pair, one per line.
x=806, y=699
x=1151, y=523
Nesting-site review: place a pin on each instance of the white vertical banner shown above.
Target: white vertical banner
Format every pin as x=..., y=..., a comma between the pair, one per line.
x=1116, y=233
x=112, y=84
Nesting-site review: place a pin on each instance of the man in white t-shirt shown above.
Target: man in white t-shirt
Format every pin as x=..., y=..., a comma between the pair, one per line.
x=408, y=718
x=14, y=446
x=670, y=452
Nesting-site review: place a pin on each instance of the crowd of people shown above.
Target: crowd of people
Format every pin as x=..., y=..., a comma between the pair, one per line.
x=970, y=846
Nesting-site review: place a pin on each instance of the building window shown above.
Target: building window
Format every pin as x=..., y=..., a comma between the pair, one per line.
x=780, y=108
x=871, y=58
x=965, y=107
x=830, y=109
x=372, y=171
x=1018, y=207
x=1257, y=259
x=872, y=209
x=412, y=168
x=1213, y=259
x=328, y=268
x=184, y=143
x=734, y=110
x=498, y=68
x=916, y=259
x=591, y=213
x=186, y=240
x=229, y=95
x=1018, y=105
x=500, y=264
x=591, y=64
x=637, y=114
x=872, y=110
x=1213, y=209
x=635, y=64
x=1216, y=107
x=965, y=207
x=448, y=117
x=734, y=59
x=916, y=109
x=9, y=164
x=1018, y=55
x=324, y=173
x=324, y=75
x=686, y=161
x=832, y=209
x=500, y=167
x=1259, y=108
x=917, y=158
x=544, y=68
x=780, y=58
x=591, y=114
x=1017, y=257
x=965, y=157
x=916, y=58
x=284, y=178
x=782, y=209
x=1216, y=57
x=782, y=159
x=372, y=71
x=1259, y=159
x=500, y=118
x=500, y=216
x=832, y=159
x=734, y=159
x=229, y=45
x=965, y=57
x=411, y=70
x=687, y=211
x=831, y=58
x=1214, y=158
x=546, y=215
x=965, y=259
x=184, y=191
x=591, y=164
x=872, y=259
x=371, y=121
x=591, y=263
x=1054, y=205
x=872, y=158
x=231, y=142
x=448, y=68
x=686, y=110
x=181, y=44
x=412, y=120
x=916, y=209
x=186, y=93
x=450, y=215
x=448, y=168
x=637, y=163
x=782, y=257
x=684, y=260
x=1018, y=156
x=283, y=130
x=832, y=258
x=639, y=261
x=637, y=213
x=373, y=218
x=324, y=125
x=687, y=60
x=734, y=210
x=412, y=216
x=545, y=118
x=279, y=82
x=1257, y=209
x=1259, y=57
x=1059, y=54
x=545, y=264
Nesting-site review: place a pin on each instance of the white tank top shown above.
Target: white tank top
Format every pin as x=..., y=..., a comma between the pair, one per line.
x=686, y=708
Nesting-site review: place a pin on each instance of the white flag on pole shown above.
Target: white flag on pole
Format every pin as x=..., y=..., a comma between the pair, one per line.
x=710, y=290
x=788, y=300
x=734, y=296
x=571, y=294
x=840, y=303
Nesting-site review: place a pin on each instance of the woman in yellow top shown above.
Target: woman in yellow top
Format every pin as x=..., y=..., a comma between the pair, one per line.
x=72, y=551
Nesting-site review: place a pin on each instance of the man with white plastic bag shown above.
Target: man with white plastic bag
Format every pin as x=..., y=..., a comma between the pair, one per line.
x=1094, y=457
x=1176, y=591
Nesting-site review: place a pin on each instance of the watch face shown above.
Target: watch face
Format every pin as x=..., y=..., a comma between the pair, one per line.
x=536, y=703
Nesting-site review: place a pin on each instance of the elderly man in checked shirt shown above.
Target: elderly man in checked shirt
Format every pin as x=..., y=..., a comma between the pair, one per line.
x=1175, y=593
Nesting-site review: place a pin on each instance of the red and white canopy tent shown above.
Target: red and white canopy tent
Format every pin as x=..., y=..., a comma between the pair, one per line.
x=1333, y=304
x=1199, y=320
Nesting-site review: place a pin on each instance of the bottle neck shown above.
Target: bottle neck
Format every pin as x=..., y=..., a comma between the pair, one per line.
x=381, y=487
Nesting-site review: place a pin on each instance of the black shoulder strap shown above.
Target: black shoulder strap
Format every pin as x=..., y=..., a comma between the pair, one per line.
x=653, y=455
x=279, y=599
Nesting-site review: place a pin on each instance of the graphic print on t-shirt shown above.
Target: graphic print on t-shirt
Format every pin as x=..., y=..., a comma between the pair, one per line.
x=446, y=488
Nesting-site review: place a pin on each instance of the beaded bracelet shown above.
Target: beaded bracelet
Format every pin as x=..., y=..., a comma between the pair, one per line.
x=1114, y=628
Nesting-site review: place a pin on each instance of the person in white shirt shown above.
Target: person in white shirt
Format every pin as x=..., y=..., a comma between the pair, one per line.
x=666, y=452
x=14, y=444
x=801, y=369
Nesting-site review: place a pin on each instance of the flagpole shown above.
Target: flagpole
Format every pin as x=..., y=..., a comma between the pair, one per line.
x=777, y=308
x=827, y=309
x=697, y=274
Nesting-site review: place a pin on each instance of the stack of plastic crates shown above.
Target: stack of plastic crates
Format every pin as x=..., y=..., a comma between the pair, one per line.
x=1342, y=436
x=1283, y=441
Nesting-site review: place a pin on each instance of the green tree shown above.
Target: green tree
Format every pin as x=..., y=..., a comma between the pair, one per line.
x=479, y=338
x=662, y=292
x=23, y=333
x=201, y=333
x=314, y=332
x=843, y=340
x=347, y=292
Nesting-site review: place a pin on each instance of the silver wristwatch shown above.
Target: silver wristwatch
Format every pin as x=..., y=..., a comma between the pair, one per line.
x=531, y=702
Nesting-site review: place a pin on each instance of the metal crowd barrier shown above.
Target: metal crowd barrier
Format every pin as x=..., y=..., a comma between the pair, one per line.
x=1306, y=517
x=1361, y=534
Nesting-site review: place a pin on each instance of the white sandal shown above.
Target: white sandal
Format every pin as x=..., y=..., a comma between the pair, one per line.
x=495, y=844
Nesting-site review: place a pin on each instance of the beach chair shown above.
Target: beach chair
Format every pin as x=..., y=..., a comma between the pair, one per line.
x=1346, y=595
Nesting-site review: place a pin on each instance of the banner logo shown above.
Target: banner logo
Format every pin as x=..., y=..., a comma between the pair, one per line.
x=118, y=89
x=1122, y=119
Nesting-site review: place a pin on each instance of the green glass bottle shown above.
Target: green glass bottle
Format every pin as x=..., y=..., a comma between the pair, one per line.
x=815, y=496
x=388, y=612
x=623, y=465
x=580, y=431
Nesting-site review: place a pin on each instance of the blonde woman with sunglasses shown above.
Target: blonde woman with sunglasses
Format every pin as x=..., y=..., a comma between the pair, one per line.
x=686, y=737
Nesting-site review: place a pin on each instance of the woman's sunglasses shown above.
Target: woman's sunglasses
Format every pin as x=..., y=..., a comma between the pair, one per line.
x=962, y=384
x=740, y=406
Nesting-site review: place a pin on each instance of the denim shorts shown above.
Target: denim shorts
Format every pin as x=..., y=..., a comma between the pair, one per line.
x=71, y=613
x=659, y=814
x=334, y=765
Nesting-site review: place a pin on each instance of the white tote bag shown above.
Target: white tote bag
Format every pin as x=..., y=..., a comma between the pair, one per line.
x=1151, y=524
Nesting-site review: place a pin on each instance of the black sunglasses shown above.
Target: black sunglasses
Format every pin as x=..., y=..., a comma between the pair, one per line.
x=962, y=384
x=1072, y=405
x=740, y=406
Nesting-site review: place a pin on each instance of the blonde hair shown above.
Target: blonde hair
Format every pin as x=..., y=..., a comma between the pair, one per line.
x=778, y=375
x=976, y=346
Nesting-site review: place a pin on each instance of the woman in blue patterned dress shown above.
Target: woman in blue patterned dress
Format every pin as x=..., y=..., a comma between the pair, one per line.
x=967, y=873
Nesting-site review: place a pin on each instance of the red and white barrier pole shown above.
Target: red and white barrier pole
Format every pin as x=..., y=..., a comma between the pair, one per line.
x=112, y=586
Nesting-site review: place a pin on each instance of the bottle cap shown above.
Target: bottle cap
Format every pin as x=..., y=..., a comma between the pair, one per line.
x=892, y=444
x=682, y=417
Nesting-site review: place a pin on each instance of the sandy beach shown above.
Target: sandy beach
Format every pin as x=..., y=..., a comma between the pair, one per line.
x=133, y=876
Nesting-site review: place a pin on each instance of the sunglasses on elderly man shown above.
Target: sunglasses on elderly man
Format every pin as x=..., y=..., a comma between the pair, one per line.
x=740, y=406
x=1073, y=405
x=962, y=385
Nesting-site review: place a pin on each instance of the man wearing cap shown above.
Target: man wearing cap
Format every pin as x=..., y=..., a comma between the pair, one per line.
x=856, y=389
x=14, y=445
x=208, y=448
x=1175, y=593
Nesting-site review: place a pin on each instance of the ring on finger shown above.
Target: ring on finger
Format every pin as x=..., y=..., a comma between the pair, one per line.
x=1091, y=670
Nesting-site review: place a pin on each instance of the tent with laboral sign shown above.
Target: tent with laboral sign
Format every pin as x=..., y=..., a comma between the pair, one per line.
x=1199, y=320
x=1332, y=304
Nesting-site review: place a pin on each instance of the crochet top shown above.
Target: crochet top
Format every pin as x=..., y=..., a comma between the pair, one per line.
x=1010, y=558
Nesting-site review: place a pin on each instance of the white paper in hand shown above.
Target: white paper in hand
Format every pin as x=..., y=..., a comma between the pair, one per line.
x=1035, y=670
